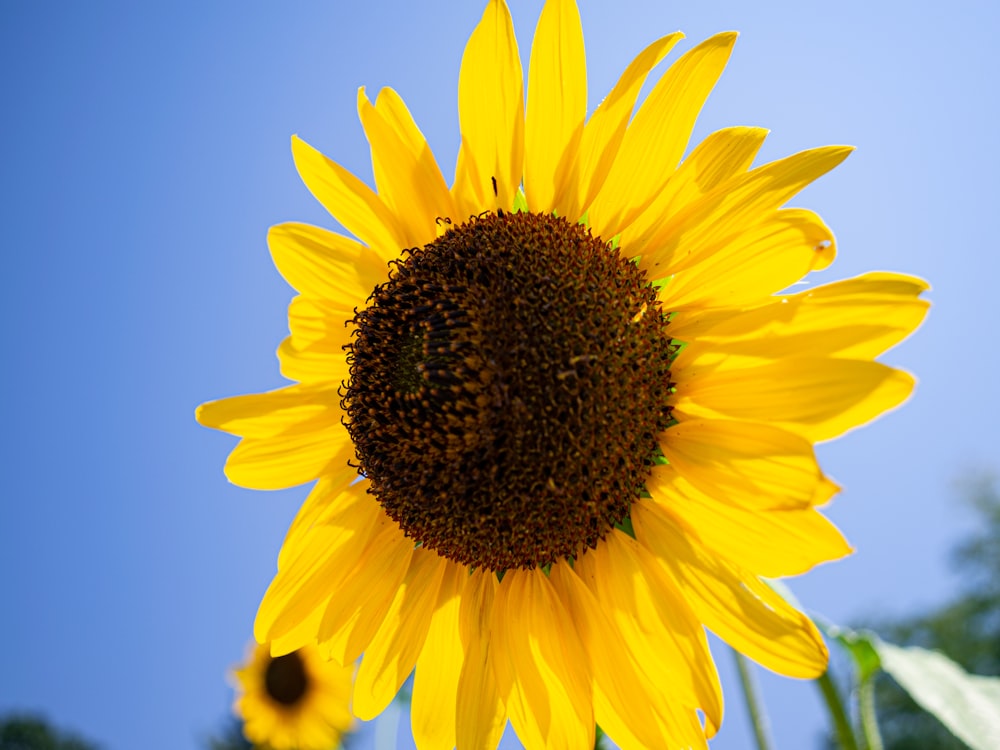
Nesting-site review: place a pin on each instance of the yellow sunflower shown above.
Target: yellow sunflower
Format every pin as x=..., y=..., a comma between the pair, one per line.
x=582, y=407
x=296, y=701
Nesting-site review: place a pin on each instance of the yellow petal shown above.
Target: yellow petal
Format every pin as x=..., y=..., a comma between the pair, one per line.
x=603, y=133
x=771, y=543
x=326, y=499
x=393, y=651
x=543, y=671
x=323, y=264
x=756, y=263
x=315, y=365
x=658, y=135
x=557, y=103
x=856, y=318
x=259, y=415
x=491, y=112
x=300, y=636
x=320, y=559
x=361, y=601
x=409, y=181
x=315, y=353
x=731, y=602
x=819, y=398
x=348, y=200
x=313, y=321
x=627, y=705
x=480, y=716
x=295, y=456
x=733, y=207
x=743, y=462
x=721, y=156
x=656, y=623
x=435, y=682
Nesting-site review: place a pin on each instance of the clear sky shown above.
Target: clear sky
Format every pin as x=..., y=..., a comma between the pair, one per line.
x=144, y=153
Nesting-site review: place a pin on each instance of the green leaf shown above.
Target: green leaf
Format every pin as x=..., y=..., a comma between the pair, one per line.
x=969, y=705
x=861, y=645
x=520, y=202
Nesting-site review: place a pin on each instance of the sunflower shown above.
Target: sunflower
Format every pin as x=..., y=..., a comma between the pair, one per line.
x=581, y=403
x=296, y=701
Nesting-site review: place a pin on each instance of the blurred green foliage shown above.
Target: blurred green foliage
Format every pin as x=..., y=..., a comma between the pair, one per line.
x=231, y=739
x=23, y=732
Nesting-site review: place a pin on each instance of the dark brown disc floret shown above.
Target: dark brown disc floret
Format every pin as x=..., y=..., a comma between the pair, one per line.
x=285, y=679
x=508, y=384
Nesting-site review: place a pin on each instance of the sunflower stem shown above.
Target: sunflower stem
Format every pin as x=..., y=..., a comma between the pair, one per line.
x=758, y=716
x=866, y=709
x=838, y=714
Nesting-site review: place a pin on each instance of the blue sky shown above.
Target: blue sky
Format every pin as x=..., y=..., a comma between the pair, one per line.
x=145, y=151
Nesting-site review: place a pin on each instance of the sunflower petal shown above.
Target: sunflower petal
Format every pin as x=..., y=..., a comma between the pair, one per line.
x=656, y=623
x=409, y=182
x=324, y=555
x=743, y=461
x=770, y=542
x=363, y=598
x=722, y=155
x=627, y=705
x=548, y=692
x=491, y=112
x=730, y=601
x=261, y=415
x=760, y=261
x=819, y=398
x=393, y=651
x=480, y=715
x=295, y=456
x=435, y=682
x=690, y=236
x=856, y=318
x=557, y=103
x=348, y=200
x=315, y=322
x=658, y=135
x=603, y=133
x=326, y=500
x=324, y=264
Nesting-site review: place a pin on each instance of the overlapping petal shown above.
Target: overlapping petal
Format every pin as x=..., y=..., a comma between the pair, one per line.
x=406, y=173
x=480, y=715
x=604, y=131
x=770, y=541
x=557, y=104
x=731, y=602
x=439, y=665
x=743, y=462
x=818, y=397
x=351, y=202
x=491, y=113
x=735, y=206
x=656, y=138
x=392, y=652
x=627, y=704
x=656, y=623
x=324, y=265
x=546, y=686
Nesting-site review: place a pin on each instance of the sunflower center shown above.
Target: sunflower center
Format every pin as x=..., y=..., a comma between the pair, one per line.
x=286, y=680
x=508, y=384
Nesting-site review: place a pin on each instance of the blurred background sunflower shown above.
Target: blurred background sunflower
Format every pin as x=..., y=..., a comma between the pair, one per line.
x=297, y=701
